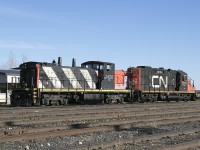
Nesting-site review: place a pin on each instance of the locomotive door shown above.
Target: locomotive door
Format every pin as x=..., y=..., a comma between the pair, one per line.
x=178, y=81
x=100, y=78
x=108, y=76
x=105, y=76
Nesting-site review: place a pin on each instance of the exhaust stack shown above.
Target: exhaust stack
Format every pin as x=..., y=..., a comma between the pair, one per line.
x=73, y=62
x=60, y=61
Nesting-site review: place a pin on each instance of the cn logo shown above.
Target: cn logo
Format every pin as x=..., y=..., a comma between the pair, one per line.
x=160, y=81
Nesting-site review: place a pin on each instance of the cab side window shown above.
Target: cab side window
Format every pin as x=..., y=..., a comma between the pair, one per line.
x=108, y=67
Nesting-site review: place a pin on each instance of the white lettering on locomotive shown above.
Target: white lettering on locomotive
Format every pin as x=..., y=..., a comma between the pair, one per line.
x=160, y=81
x=108, y=77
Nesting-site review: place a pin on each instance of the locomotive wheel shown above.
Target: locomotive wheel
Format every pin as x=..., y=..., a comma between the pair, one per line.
x=185, y=99
x=140, y=100
x=130, y=100
x=155, y=99
x=14, y=103
x=151, y=100
x=107, y=101
x=168, y=100
x=28, y=103
x=122, y=100
x=47, y=102
x=178, y=100
x=57, y=103
x=65, y=102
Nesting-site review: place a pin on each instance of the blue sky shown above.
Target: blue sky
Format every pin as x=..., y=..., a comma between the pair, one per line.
x=157, y=33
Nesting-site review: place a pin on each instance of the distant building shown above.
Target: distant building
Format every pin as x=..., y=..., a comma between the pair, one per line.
x=9, y=79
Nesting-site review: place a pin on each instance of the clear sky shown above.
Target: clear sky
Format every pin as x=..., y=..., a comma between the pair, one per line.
x=157, y=33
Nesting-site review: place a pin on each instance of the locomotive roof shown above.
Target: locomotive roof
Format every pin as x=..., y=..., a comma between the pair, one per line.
x=97, y=62
x=161, y=68
x=33, y=63
x=87, y=62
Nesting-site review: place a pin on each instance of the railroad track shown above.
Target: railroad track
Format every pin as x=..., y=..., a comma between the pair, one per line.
x=122, y=115
x=135, y=140
x=33, y=115
x=45, y=132
x=23, y=124
x=38, y=133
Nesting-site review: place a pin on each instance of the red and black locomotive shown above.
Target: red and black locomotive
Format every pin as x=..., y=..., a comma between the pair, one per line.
x=152, y=84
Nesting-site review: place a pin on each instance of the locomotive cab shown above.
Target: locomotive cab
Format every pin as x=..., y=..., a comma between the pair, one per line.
x=181, y=81
x=105, y=71
x=29, y=75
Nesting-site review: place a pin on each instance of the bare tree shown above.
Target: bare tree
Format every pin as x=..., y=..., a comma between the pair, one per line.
x=24, y=58
x=10, y=63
